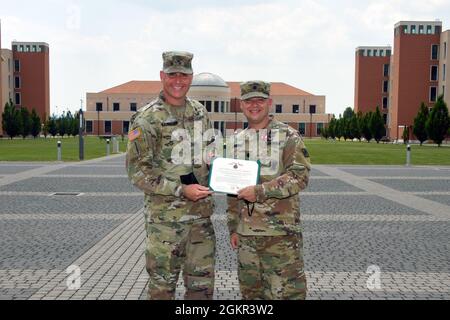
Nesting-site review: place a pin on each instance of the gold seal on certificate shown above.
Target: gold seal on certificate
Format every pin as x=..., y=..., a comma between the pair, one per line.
x=231, y=175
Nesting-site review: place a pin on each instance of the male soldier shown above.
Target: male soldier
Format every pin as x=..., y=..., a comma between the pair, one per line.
x=177, y=205
x=266, y=227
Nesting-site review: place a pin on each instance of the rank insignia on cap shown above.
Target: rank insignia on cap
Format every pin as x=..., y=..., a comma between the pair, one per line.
x=133, y=135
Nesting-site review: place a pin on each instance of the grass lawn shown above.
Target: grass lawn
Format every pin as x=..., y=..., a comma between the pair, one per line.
x=321, y=151
x=340, y=152
x=45, y=149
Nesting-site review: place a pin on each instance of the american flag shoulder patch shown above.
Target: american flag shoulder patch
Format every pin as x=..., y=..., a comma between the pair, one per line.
x=134, y=134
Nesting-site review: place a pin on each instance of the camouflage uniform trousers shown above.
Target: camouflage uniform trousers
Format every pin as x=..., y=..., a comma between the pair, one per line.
x=271, y=267
x=176, y=245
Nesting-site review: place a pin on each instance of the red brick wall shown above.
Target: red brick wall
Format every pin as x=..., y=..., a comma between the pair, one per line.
x=411, y=77
x=369, y=82
x=34, y=81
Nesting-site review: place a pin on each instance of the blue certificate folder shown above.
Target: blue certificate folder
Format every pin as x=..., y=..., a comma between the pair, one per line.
x=227, y=175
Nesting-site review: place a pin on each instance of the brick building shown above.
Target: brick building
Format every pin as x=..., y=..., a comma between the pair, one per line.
x=109, y=111
x=25, y=77
x=399, y=81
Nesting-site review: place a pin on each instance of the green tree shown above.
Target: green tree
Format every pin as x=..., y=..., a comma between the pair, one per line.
x=360, y=122
x=61, y=124
x=332, y=128
x=26, y=122
x=420, y=120
x=45, y=128
x=406, y=135
x=376, y=125
x=365, y=130
x=11, y=120
x=35, y=124
x=437, y=124
x=52, y=126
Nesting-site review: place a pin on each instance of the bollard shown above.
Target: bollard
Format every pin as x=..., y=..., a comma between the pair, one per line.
x=59, y=150
x=408, y=155
x=107, y=147
x=115, y=144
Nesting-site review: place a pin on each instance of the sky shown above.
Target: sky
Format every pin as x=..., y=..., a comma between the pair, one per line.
x=98, y=44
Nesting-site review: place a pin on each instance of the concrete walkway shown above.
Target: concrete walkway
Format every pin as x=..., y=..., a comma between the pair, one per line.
x=357, y=220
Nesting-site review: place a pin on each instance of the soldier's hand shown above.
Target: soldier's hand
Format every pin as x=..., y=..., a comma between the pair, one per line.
x=234, y=240
x=195, y=192
x=248, y=194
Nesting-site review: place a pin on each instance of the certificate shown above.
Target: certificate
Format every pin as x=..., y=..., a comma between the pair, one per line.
x=230, y=175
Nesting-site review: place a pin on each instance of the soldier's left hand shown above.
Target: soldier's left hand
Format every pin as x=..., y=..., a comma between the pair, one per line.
x=248, y=194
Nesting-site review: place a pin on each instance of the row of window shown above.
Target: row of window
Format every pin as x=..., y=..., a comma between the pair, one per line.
x=116, y=106
x=28, y=48
x=295, y=108
x=421, y=29
x=218, y=125
x=376, y=53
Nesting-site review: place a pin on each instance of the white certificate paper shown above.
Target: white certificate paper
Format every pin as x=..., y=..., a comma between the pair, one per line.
x=230, y=175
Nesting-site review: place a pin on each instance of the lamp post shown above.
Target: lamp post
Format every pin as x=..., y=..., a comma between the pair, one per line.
x=80, y=134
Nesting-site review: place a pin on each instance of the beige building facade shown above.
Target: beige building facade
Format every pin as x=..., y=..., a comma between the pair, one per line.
x=444, y=85
x=108, y=112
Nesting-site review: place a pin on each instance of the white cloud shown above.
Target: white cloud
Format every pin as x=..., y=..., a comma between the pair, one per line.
x=309, y=44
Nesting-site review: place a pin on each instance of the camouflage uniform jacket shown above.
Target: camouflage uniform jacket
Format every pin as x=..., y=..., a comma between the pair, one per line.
x=151, y=168
x=276, y=211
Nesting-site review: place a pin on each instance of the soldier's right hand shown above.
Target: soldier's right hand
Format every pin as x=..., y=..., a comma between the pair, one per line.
x=195, y=192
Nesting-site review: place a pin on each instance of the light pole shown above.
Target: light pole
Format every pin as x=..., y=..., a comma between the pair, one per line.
x=80, y=134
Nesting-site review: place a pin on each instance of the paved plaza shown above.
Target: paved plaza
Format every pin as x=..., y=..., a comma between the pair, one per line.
x=370, y=232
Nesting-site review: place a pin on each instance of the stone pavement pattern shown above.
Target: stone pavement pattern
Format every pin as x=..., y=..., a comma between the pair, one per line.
x=353, y=217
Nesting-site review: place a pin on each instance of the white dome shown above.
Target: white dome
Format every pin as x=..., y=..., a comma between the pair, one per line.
x=207, y=79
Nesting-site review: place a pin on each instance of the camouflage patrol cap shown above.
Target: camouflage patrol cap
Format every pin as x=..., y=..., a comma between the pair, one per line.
x=255, y=89
x=177, y=61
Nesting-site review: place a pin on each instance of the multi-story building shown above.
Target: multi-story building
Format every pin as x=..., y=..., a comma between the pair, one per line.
x=25, y=77
x=32, y=77
x=109, y=111
x=413, y=74
x=372, y=79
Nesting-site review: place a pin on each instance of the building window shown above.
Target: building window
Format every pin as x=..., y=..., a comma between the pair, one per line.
x=279, y=108
x=413, y=30
x=295, y=108
x=9, y=65
x=319, y=128
x=433, y=94
x=133, y=106
x=312, y=109
x=434, y=51
x=99, y=106
x=445, y=50
x=434, y=73
x=227, y=106
x=405, y=30
x=208, y=106
x=18, y=98
x=125, y=127
x=443, y=72
x=222, y=106
x=116, y=106
x=9, y=81
x=108, y=126
x=385, y=102
x=216, y=106
x=429, y=29
x=421, y=29
x=386, y=70
x=369, y=53
x=302, y=128
x=89, y=128
x=16, y=65
x=16, y=82
x=216, y=125
x=385, y=86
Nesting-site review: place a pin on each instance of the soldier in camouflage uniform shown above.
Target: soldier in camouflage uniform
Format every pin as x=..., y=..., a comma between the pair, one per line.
x=268, y=232
x=178, y=206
